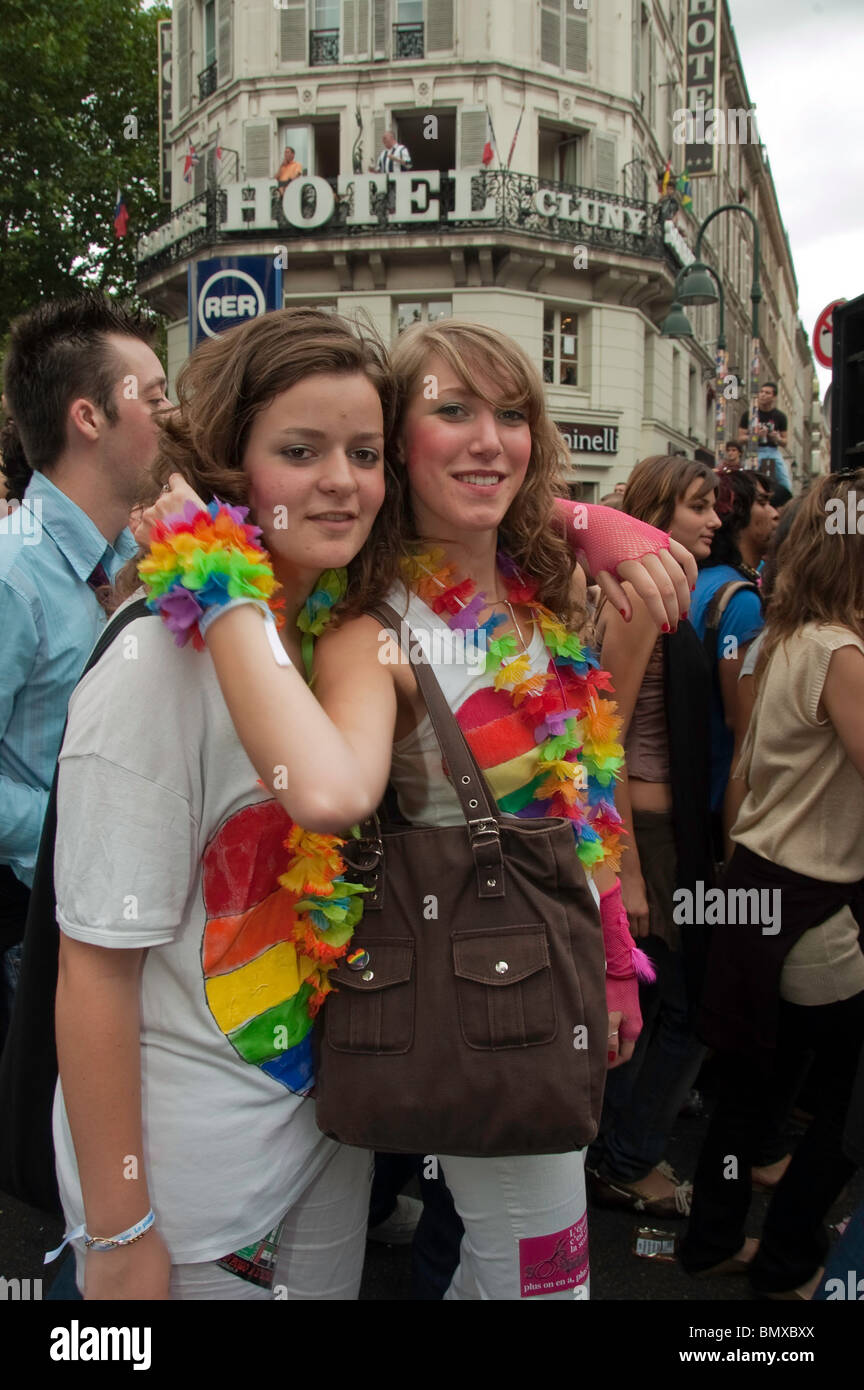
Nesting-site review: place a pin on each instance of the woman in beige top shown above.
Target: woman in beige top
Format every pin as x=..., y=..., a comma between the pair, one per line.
x=663, y=742
x=786, y=973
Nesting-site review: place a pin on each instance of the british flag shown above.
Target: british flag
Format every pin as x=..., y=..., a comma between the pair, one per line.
x=190, y=162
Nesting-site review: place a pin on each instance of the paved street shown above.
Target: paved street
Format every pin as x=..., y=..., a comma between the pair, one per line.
x=616, y=1273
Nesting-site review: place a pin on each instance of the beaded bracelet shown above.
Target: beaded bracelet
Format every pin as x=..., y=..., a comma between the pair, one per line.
x=201, y=560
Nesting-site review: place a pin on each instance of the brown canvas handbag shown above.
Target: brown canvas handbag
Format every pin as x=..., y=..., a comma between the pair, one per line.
x=469, y=1016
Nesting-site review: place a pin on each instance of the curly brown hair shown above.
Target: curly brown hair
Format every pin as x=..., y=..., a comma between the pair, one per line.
x=229, y=379
x=820, y=567
x=478, y=353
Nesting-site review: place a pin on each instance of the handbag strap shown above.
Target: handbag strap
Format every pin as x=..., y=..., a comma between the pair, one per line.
x=478, y=807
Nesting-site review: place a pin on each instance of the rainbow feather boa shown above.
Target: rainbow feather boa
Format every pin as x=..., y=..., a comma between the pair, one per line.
x=204, y=557
x=574, y=727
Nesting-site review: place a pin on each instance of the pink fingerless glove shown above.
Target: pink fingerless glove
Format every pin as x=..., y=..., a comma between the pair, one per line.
x=626, y=965
x=605, y=537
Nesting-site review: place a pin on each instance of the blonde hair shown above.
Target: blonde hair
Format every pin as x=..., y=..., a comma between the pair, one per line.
x=477, y=353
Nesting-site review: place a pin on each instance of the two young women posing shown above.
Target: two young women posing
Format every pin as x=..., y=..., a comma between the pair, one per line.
x=292, y=415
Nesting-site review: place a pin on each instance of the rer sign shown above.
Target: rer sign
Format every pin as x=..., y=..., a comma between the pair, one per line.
x=228, y=291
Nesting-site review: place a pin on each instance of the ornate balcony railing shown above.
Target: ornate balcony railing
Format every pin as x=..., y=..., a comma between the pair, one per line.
x=207, y=81
x=323, y=46
x=408, y=41
x=508, y=204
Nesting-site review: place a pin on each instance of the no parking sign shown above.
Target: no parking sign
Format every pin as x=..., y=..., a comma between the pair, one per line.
x=230, y=290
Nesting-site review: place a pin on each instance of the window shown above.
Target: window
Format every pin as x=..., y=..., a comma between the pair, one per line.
x=421, y=311
x=324, y=38
x=315, y=146
x=563, y=36
x=408, y=29
x=209, y=33
x=561, y=154
x=560, y=347
x=431, y=144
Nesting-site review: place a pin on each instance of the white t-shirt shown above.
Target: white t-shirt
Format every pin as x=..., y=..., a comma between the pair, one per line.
x=166, y=840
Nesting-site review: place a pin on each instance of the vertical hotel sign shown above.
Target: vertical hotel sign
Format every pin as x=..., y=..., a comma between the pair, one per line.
x=701, y=66
x=164, y=41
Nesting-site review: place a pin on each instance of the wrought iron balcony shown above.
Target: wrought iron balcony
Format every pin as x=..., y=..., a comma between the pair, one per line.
x=207, y=81
x=323, y=46
x=525, y=207
x=408, y=41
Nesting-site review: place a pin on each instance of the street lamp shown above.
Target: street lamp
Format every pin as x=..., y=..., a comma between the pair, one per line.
x=694, y=284
x=755, y=297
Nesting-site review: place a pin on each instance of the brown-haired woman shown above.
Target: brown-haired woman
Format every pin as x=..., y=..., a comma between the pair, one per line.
x=662, y=686
x=478, y=467
x=791, y=978
x=177, y=965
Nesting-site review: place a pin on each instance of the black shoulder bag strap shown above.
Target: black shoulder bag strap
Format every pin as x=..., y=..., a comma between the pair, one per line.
x=28, y=1069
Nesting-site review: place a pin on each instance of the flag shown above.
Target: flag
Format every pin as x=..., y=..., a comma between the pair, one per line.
x=489, y=147
x=121, y=215
x=515, y=137
x=191, y=160
x=667, y=178
x=682, y=184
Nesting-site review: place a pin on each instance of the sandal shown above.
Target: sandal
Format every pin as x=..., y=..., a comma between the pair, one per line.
x=610, y=1192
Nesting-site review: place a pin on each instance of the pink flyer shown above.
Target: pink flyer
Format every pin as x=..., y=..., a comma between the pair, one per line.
x=548, y=1264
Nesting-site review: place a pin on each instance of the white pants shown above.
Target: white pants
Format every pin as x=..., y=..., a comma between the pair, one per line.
x=321, y=1249
x=526, y=1230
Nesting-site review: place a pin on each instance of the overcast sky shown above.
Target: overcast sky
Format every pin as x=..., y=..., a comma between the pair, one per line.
x=804, y=67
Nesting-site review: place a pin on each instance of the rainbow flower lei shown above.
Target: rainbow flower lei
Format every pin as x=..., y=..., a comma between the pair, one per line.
x=572, y=724
x=204, y=557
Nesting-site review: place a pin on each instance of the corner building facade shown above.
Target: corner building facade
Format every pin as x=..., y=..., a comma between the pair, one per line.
x=571, y=250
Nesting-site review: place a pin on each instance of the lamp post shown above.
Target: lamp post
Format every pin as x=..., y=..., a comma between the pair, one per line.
x=677, y=325
x=697, y=290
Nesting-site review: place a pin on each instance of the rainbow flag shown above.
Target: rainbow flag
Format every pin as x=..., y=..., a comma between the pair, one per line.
x=682, y=185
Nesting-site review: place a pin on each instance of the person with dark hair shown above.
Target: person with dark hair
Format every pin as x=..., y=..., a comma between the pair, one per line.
x=82, y=391
x=732, y=455
x=663, y=688
x=772, y=429
x=727, y=611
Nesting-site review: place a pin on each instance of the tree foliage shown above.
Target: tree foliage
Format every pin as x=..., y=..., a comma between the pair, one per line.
x=71, y=74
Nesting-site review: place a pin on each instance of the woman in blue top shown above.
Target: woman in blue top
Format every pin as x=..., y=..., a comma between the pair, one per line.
x=748, y=522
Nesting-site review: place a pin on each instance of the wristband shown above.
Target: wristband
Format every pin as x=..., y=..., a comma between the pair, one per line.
x=201, y=560
x=102, y=1243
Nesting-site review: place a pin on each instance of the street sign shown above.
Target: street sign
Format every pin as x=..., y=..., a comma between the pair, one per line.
x=229, y=290
x=823, y=338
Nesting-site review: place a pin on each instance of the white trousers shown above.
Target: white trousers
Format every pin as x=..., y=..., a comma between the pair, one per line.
x=526, y=1228
x=321, y=1247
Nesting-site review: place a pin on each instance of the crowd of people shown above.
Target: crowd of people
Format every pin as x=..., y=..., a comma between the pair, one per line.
x=211, y=916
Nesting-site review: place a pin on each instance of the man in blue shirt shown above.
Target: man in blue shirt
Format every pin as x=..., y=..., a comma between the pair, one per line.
x=737, y=551
x=83, y=389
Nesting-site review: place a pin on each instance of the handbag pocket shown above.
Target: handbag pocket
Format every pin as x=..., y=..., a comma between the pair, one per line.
x=504, y=987
x=372, y=1008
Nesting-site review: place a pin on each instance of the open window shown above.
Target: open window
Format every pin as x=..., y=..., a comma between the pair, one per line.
x=315, y=145
x=560, y=347
x=561, y=155
x=429, y=136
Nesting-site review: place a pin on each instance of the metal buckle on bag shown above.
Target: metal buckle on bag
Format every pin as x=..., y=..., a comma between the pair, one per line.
x=367, y=858
x=486, y=825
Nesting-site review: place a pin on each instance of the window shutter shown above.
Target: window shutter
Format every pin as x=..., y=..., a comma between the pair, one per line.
x=292, y=32
x=182, y=56
x=224, y=41
x=378, y=128
x=472, y=136
x=381, y=33
x=439, y=26
x=576, y=57
x=652, y=79
x=355, y=30
x=257, y=152
x=550, y=32
x=605, y=164
x=637, y=49
x=199, y=173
